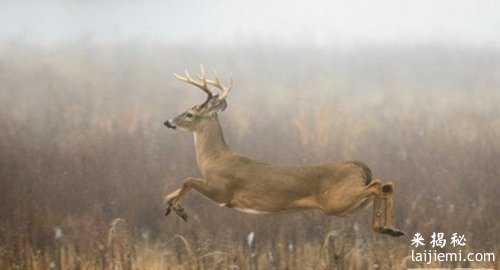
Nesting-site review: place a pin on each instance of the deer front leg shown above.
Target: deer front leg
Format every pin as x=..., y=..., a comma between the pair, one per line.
x=198, y=184
x=169, y=200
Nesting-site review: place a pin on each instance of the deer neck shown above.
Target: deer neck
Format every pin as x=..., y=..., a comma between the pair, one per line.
x=209, y=142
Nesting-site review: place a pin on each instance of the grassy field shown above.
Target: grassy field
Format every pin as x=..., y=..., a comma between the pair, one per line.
x=85, y=161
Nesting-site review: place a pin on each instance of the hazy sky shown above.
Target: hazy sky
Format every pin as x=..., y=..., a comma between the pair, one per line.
x=470, y=22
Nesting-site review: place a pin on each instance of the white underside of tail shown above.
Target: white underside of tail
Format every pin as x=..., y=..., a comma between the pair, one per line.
x=251, y=211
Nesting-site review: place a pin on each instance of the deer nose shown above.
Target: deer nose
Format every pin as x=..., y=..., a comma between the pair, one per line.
x=169, y=124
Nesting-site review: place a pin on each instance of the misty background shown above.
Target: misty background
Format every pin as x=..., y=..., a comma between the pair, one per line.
x=308, y=23
x=409, y=87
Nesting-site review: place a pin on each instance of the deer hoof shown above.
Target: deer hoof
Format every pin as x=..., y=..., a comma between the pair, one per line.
x=168, y=210
x=378, y=229
x=184, y=216
x=180, y=212
x=392, y=232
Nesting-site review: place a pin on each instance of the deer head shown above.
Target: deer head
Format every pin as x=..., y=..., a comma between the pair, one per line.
x=192, y=118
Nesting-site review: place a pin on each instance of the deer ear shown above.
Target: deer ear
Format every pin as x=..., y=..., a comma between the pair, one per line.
x=214, y=105
x=223, y=105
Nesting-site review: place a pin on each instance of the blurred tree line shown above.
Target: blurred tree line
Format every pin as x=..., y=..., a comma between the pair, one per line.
x=82, y=141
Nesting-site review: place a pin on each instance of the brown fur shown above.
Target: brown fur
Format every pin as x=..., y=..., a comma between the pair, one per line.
x=239, y=182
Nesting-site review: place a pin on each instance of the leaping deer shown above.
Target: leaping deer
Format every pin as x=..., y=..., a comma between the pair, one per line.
x=238, y=182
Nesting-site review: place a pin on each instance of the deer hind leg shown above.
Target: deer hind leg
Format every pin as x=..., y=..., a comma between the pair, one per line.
x=387, y=196
x=378, y=212
x=375, y=190
x=348, y=198
x=383, y=207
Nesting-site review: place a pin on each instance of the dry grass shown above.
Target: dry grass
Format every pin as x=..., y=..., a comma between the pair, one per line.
x=336, y=252
x=82, y=146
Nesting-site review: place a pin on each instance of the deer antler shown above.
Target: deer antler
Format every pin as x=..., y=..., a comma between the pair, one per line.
x=224, y=90
x=203, y=84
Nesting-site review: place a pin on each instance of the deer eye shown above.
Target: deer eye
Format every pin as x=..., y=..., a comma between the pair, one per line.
x=189, y=115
